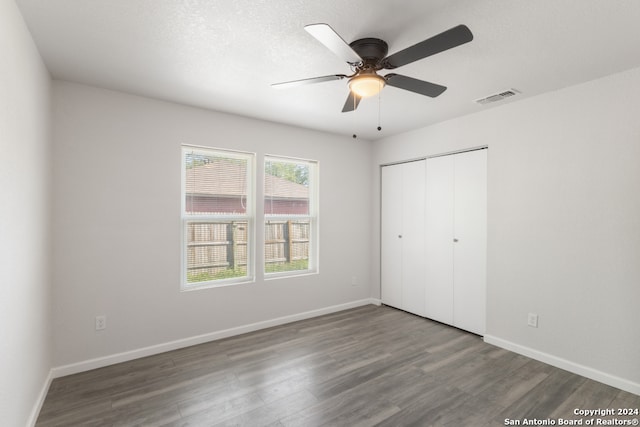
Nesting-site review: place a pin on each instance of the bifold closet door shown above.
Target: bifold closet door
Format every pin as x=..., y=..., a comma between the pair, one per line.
x=455, y=250
x=402, y=237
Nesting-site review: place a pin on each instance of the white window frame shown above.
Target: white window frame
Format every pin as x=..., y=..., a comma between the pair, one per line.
x=249, y=217
x=312, y=216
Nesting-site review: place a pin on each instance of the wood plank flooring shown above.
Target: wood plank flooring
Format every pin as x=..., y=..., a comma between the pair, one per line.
x=369, y=366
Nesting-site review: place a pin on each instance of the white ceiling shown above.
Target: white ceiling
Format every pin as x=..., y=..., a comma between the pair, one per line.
x=223, y=55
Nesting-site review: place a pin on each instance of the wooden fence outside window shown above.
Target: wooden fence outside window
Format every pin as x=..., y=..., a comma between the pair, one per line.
x=216, y=247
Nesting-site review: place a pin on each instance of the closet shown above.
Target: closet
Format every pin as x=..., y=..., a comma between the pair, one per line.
x=433, y=222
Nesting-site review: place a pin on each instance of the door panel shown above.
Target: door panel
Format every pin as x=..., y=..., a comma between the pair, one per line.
x=413, y=238
x=438, y=233
x=391, y=228
x=470, y=259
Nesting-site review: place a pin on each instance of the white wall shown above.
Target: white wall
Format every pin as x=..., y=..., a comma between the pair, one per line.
x=563, y=221
x=117, y=223
x=25, y=174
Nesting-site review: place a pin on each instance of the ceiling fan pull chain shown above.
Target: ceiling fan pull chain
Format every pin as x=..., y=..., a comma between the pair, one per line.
x=379, y=103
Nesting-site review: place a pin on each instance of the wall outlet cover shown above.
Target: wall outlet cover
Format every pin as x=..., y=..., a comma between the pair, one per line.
x=101, y=322
x=532, y=320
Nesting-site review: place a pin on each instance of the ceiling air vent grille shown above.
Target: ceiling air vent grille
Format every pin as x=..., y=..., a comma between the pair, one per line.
x=498, y=96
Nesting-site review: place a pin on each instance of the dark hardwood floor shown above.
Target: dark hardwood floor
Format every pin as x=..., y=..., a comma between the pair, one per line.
x=361, y=367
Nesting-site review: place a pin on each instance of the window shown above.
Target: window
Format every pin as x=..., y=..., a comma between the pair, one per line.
x=290, y=209
x=217, y=217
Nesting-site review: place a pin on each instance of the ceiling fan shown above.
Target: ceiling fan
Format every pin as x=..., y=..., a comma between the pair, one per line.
x=367, y=56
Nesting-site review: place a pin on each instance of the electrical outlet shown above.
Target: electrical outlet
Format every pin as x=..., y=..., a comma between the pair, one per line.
x=532, y=320
x=354, y=280
x=101, y=322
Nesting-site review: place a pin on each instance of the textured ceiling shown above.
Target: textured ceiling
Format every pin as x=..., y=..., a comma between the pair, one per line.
x=223, y=55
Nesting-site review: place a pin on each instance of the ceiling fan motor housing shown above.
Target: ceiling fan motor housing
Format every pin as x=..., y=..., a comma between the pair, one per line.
x=371, y=50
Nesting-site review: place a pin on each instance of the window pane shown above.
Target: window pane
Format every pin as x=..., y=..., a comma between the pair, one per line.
x=216, y=250
x=286, y=246
x=215, y=183
x=290, y=215
x=286, y=188
x=218, y=209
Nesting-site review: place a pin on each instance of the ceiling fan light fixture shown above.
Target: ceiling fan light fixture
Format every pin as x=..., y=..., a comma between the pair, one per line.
x=366, y=84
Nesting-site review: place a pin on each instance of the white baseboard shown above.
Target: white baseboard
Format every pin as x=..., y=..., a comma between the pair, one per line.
x=567, y=365
x=33, y=417
x=100, y=362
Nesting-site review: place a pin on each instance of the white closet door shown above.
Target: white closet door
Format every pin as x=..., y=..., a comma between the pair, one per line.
x=470, y=248
x=413, y=238
x=391, y=229
x=439, y=235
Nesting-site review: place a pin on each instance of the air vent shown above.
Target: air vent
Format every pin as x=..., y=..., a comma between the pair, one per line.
x=498, y=96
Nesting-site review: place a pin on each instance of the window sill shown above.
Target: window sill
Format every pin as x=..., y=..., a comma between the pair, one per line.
x=289, y=274
x=210, y=285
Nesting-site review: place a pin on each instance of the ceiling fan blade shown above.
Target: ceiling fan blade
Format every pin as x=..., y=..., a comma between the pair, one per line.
x=414, y=85
x=352, y=102
x=328, y=37
x=446, y=40
x=312, y=80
